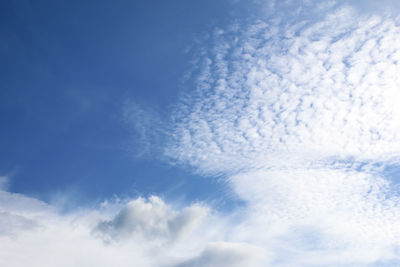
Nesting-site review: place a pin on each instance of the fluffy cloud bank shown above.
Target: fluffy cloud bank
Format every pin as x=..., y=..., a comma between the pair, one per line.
x=141, y=232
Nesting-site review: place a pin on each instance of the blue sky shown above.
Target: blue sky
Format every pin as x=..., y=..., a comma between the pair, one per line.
x=69, y=70
x=200, y=133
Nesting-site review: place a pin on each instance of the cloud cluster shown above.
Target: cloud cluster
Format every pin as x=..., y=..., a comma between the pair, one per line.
x=305, y=91
x=141, y=232
x=151, y=220
x=300, y=114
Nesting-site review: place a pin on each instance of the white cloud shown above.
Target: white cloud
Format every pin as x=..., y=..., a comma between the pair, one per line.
x=228, y=254
x=144, y=232
x=307, y=91
x=11, y=224
x=23, y=205
x=19, y=213
x=297, y=112
x=320, y=211
x=152, y=220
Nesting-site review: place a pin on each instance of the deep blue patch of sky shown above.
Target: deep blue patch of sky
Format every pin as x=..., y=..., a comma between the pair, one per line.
x=68, y=67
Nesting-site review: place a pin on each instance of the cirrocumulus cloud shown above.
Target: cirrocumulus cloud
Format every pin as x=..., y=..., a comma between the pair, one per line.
x=301, y=116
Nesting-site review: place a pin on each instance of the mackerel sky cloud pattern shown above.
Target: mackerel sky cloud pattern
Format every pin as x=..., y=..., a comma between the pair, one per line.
x=302, y=117
x=307, y=90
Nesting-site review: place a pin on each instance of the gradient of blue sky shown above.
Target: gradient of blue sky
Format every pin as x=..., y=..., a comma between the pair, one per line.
x=69, y=68
x=200, y=133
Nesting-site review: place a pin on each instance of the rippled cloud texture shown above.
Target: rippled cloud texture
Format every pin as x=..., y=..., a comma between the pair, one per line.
x=302, y=116
x=309, y=91
x=298, y=110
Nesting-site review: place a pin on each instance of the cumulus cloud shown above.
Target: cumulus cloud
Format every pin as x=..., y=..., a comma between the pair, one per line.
x=143, y=232
x=152, y=219
x=18, y=212
x=11, y=224
x=140, y=232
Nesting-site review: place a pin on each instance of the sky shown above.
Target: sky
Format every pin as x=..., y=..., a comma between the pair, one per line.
x=200, y=133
